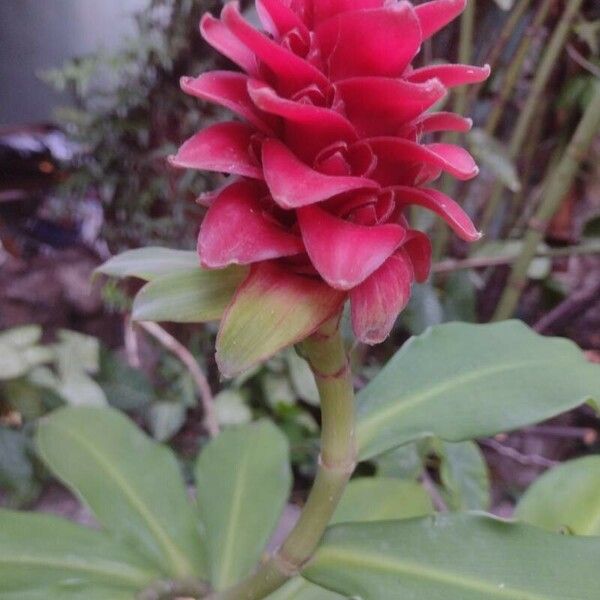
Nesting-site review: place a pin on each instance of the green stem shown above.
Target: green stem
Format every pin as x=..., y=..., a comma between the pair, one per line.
x=504, y=37
x=326, y=355
x=515, y=67
x=558, y=184
x=526, y=116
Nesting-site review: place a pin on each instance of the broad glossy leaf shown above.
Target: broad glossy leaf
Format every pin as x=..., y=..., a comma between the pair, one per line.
x=459, y=382
x=243, y=480
x=43, y=551
x=566, y=497
x=455, y=557
x=271, y=310
x=131, y=483
x=464, y=474
x=381, y=499
x=149, y=263
x=365, y=499
x=192, y=296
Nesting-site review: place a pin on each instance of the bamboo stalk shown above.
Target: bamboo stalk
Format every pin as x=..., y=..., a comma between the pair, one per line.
x=522, y=127
x=558, y=184
x=504, y=37
x=482, y=262
x=516, y=66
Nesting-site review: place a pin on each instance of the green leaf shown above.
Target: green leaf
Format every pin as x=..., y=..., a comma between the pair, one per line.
x=381, y=499
x=494, y=155
x=302, y=378
x=16, y=467
x=132, y=485
x=64, y=592
x=459, y=382
x=273, y=309
x=149, y=263
x=568, y=497
x=300, y=589
x=231, y=408
x=21, y=337
x=12, y=362
x=39, y=551
x=365, y=499
x=125, y=388
x=455, y=557
x=464, y=474
x=165, y=419
x=405, y=462
x=243, y=480
x=192, y=296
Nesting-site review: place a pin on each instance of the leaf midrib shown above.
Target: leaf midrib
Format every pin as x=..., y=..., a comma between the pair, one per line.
x=111, y=571
x=233, y=522
x=178, y=559
x=340, y=557
x=396, y=408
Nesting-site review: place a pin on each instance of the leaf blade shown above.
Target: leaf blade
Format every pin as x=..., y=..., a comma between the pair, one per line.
x=463, y=381
x=43, y=550
x=242, y=472
x=103, y=457
x=192, y=296
x=417, y=559
x=149, y=263
x=566, y=496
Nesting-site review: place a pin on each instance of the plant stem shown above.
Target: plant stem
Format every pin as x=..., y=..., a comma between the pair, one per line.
x=326, y=355
x=522, y=127
x=480, y=262
x=515, y=67
x=187, y=358
x=504, y=37
x=558, y=184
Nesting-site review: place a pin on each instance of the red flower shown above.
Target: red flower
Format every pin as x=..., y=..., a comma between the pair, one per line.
x=327, y=154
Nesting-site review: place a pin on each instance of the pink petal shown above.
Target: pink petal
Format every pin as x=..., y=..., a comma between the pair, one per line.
x=343, y=253
x=293, y=184
x=221, y=39
x=377, y=302
x=272, y=309
x=229, y=89
x=325, y=9
x=434, y=122
x=278, y=18
x=326, y=126
x=451, y=75
x=435, y=15
x=452, y=159
x=370, y=42
x=442, y=205
x=378, y=105
x=224, y=147
x=418, y=248
x=291, y=70
x=235, y=230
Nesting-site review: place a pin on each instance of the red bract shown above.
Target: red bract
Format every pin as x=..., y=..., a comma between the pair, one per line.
x=328, y=153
